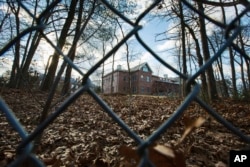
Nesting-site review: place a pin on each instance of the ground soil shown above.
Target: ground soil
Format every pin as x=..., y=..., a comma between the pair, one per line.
x=85, y=135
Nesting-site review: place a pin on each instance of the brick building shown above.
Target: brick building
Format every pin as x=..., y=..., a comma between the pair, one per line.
x=142, y=82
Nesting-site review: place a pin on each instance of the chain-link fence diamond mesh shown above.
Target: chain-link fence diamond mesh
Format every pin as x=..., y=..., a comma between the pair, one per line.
x=24, y=150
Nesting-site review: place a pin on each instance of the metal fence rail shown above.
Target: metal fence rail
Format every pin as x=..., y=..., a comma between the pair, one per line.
x=24, y=150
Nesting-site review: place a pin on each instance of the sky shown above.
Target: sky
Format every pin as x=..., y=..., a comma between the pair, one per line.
x=5, y=64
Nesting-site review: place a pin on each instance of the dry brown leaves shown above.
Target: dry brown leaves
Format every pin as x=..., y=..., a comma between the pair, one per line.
x=84, y=135
x=159, y=155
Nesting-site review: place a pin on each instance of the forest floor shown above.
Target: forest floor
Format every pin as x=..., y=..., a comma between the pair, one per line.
x=85, y=136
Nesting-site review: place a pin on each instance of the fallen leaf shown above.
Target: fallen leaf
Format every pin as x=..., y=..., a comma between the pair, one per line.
x=220, y=164
x=159, y=155
x=168, y=152
x=190, y=125
x=130, y=155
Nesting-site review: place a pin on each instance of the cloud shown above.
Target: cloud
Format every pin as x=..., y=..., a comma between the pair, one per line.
x=168, y=44
x=142, y=5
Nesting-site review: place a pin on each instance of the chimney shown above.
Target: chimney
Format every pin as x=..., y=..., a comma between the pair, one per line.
x=119, y=67
x=165, y=77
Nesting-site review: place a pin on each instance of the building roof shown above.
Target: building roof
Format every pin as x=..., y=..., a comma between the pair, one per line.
x=140, y=66
x=136, y=68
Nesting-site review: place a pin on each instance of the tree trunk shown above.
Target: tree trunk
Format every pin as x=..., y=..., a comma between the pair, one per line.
x=200, y=62
x=127, y=58
x=243, y=75
x=15, y=65
x=103, y=54
x=234, y=86
x=49, y=78
x=242, y=44
x=219, y=61
x=67, y=80
x=224, y=84
x=183, y=43
x=212, y=91
x=25, y=67
x=246, y=88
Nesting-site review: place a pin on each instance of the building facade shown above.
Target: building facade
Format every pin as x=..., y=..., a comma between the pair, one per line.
x=139, y=80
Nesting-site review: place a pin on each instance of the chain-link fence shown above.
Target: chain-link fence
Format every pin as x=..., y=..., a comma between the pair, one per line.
x=24, y=150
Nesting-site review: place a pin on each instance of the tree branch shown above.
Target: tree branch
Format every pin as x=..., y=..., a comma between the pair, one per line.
x=226, y=4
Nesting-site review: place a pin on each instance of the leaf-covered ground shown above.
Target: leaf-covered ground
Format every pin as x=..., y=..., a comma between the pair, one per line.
x=85, y=136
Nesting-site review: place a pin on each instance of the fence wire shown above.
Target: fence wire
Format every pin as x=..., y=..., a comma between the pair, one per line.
x=24, y=150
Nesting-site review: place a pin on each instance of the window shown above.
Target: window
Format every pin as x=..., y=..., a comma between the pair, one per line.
x=148, y=79
x=134, y=78
x=145, y=69
x=134, y=89
x=142, y=89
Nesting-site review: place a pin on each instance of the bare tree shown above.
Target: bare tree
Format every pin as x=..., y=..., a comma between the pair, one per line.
x=199, y=60
x=212, y=91
x=15, y=8
x=233, y=73
x=72, y=53
x=127, y=59
x=243, y=61
x=49, y=77
x=24, y=50
x=183, y=43
x=222, y=85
